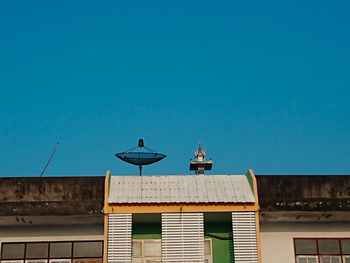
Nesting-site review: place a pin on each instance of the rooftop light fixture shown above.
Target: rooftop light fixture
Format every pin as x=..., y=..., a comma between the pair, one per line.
x=200, y=164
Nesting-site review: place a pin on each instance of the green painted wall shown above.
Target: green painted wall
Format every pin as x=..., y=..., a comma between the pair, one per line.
x=146, y=231
x=219, y=233
x=222, y=242
x=250, y=180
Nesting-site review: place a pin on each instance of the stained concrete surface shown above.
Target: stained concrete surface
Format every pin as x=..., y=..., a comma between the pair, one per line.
x=51, y=195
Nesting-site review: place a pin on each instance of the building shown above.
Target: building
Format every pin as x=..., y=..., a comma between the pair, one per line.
x=304, y=219
x=51, y=220
x=182, y=218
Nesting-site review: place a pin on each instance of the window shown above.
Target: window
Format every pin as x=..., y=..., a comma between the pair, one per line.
x=61, y=250
x=330, y=259
x=322, y=250
x=208, y=258
x=37, y=250
x=345, y=245
x=36, y=261
x=12, y=251
x=146, y=251
x=52, y=252
x=87, y=249
x=307, y=259
x=150, y=251
x=60, y=261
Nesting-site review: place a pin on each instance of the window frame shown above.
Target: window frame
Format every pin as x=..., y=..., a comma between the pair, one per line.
x=60, y=259
x=345, y=257
x=26, y=258
x=209, y=257
x=41, y=260
x=48, y=258
x=143, y=257
x=307, y=257
x=319, y=255
x=331, y=257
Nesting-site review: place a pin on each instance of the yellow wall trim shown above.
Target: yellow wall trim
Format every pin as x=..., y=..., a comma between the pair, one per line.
x=105, y=209
x=168, y=208
x=257, y=222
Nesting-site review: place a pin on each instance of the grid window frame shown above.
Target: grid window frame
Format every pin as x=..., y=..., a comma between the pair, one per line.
x=208, y=258
x=346, y=258
x=56, y=257
x=20, y=246
x=331, y=258
x=33, y=258
x=67, y=260
x=48, y=259
x=341, y=255
x=142, y=257
x=307, y=257
x=30, y=260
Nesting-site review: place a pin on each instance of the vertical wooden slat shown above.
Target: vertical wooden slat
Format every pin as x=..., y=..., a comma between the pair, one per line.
x=244, y=237
x=182, y=237
x=119, y=238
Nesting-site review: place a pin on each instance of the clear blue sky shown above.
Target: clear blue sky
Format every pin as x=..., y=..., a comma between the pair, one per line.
x=263, y=85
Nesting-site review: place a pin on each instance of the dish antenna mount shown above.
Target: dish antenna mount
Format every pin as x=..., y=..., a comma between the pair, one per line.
x=139, y=158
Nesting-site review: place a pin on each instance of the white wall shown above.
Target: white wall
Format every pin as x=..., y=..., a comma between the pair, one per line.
x=277, y=238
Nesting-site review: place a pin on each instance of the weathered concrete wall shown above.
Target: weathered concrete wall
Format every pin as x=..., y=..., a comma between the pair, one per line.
x=51, y=196
x=304, y=193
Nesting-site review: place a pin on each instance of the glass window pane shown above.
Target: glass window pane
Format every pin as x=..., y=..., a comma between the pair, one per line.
x=60, y=261
x=207, y=248
x=37, y=250
x=61, y=250
x=152, y=248
x=87, y=249
x=12, y=261
x=13, y=251
x=36, y=261
x=330, y=259
x=137, y=248
x=345, y=246
x=305, y=246
x=329, y=246
x=346, y=260
x=87, y=260
x=312, y=260
x=302, y=260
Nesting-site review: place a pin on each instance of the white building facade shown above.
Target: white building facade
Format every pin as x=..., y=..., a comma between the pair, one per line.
x=304, y=219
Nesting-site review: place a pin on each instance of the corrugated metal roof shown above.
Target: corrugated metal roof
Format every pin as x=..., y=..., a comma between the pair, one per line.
x=180, y=189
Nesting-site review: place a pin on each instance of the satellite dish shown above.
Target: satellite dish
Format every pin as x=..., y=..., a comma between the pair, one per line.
x=140, y=158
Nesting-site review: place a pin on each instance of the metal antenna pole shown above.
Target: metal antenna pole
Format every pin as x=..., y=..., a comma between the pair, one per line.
x=49, y=159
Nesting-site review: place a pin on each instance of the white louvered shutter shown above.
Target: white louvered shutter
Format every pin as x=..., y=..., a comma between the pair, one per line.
x=182, y=237
x=244, y=237
x=119, y=238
